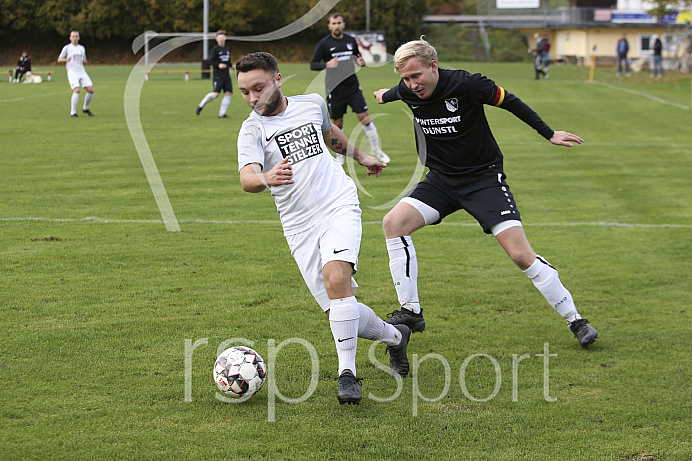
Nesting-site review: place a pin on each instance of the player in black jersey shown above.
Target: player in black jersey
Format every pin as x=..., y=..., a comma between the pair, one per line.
x=221, y=62
x=338, y=53
x=454, y=141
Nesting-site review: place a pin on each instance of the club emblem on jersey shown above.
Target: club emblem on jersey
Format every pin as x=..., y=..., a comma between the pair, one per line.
x=452, y=104
x=299, y=143
x=349, y=46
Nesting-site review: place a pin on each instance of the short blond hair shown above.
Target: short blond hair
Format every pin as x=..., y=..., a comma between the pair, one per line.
x=415, y=49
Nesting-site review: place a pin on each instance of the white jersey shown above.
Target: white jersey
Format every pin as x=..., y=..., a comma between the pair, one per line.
x=78, y=55
x=320, y=185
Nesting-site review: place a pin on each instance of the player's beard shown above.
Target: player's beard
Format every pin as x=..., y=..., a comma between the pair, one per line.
x=269, y=107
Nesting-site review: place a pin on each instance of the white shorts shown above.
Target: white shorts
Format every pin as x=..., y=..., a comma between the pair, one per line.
x=78, y=79
x=337, y=238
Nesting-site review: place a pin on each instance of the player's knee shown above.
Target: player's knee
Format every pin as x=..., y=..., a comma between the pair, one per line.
x=338, y=284
x=393, y=225
x=522, y=258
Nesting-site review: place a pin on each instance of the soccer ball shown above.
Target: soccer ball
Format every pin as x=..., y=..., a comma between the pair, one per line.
x=239, y=371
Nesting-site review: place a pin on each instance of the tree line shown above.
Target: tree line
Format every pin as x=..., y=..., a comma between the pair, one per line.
x=125, y=19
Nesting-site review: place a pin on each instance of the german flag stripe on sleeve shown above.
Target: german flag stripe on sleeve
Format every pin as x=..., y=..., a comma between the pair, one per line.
x=499, y=96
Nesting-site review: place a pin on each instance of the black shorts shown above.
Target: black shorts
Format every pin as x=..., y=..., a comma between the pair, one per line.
x=223, y=85
x=339, y=99
x=488, y=200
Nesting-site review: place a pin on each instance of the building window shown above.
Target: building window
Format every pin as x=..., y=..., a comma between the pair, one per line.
x=646, y=43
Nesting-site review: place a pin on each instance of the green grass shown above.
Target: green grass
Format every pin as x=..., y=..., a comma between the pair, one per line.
x=97, y=299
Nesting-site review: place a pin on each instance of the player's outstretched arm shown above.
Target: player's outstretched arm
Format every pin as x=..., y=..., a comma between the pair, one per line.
x=379, y=94
x=253, y=180
x=337, y=141
x=563, y=138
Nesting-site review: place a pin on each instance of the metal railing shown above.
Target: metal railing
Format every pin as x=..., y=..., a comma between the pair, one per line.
x=559, y=17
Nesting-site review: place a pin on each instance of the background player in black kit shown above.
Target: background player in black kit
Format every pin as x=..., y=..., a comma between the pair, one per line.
x=466, y=172
x=338, y=53
x=221, y=62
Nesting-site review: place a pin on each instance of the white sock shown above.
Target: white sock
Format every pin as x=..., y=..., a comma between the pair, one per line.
x=370, y=326
x=207, y=99
x=371, y=133
x=343, y=320
x=404, y=268
x=225, y=102
x=74, y=102
x=87, y=100
x=546, y=279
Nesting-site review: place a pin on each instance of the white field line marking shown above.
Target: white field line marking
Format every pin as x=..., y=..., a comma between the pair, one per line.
x=22, y=98
x=96, y=220
x=645, y=95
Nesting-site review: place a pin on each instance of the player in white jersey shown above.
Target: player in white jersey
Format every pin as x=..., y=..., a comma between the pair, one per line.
x=282, y=146
x=74, y=56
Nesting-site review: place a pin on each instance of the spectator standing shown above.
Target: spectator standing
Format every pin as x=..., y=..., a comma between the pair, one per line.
x=545, y=46
x=658, y=60
x=622, y=48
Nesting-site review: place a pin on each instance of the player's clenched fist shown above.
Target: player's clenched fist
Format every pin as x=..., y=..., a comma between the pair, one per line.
x=281, y=174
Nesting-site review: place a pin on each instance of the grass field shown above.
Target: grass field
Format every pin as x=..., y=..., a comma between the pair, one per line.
x=98, y=300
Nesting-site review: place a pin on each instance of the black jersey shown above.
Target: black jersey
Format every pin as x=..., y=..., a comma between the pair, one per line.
x=346, y=51
x=452, y=133
x=221, y=54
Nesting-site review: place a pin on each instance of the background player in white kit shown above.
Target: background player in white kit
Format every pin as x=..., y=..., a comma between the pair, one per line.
x=282, y=146
x=74, y=57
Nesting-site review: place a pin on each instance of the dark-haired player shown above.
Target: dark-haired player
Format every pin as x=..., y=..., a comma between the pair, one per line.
x=466, y=172
x=338, y=53
x=282, y=146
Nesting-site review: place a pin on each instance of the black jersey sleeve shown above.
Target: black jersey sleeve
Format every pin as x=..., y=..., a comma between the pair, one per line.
x=317, y=57
x=356, y=50
x=521, y=110
x=391, y=95
x=214, y=59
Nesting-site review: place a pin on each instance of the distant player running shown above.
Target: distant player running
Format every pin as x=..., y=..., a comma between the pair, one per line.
x=74, y=57
x=338, y=53
x=466, y=173
x=221, y=62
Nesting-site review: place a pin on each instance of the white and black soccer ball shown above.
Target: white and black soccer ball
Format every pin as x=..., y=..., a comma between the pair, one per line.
x=239, y=371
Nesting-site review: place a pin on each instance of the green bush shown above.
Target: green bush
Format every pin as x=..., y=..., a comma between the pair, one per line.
x=508, y=45
x=454, y=43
